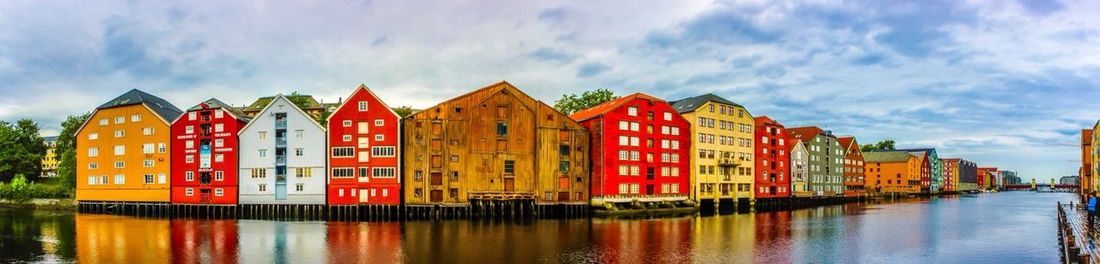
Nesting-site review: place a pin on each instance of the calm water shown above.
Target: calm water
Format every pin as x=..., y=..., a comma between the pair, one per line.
x=1011, y=227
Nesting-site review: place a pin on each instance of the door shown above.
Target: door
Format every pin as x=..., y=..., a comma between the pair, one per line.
x=280, y=191
x=204, y=196
x=563, y=196
x=649, y=173
x=509, y=184
x=363, y=195
x=437, y=196
x=437, y=178
x=649, y=189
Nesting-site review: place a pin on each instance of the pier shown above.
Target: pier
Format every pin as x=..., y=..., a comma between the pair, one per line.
x=1075, y=239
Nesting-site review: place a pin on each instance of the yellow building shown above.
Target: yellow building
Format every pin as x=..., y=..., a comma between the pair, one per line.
x=721, y=147
x=1094, y=176
x=49, y=162
x=122, y=150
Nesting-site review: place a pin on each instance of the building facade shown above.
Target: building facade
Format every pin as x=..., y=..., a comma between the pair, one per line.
x=967, y=172
x=826, y=160
x=854, y=170
x=122, y=150
x=1085, y=190
x=282, y=156
x=204, y=154
x=773, y=168
x=494, y=143
x=893, y=172
x=49, y=161
x=934, y=179
x=800, y=168
x=640, y=151
x=363, y=136
x=950, y=175
x=986, y=177
x=721, y=135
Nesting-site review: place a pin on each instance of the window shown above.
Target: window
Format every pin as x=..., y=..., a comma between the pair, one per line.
x=343, y=172
x=219, y=143
x=624, y=140
x=103, y=179
x=189, y=130
x=120, y=120
x=668, y=116
x=189, y=159
x=263, y=134
x=149, y=178
x=509, y=167
x=219, y=127
x=189, y=191
x=634, y=126
x=93, y=136
x=218, y=113
x=189, y=176
x=162, y=148
x=624, y=188
x=91, y=180
x=303, y=172
x=298, y=133
x=259, y=173
x=363, y=172
x=191, y=115
x=624, y=170
x=219, y=192
x=120, y=133
x=379, y=122
x=634, y=188
x=502, y=129
x=262, y=188
x=161, y=178
x=623, y=125
x=382, y=151
x=103, y=122
x=347, y=138
x=190, y=144
x=147, y=148
x=632, y=111
x=120, y=150
x=362, y=106
x=93, y=152
x=363, y=128
x=347, y=123
x=379, y=137
x=219, y=176
x=634, y=141
x=120, y=179
x=389, y=172
x=301, y=187
x=93, y=165
x=343, y=152
x=298, y=152
x=634, y=170
x=147, y=131
x=148, y=163
x=219, y=157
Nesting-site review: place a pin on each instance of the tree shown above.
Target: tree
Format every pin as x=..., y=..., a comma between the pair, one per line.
x=404, y=111
x=571, y=103
x=21, y=150
x=880, y=146
x=66, y=149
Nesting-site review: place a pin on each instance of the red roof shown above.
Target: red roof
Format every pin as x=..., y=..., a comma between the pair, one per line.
x=766, y=120
x=600, y=109
x=804, y=133
x=846, y=141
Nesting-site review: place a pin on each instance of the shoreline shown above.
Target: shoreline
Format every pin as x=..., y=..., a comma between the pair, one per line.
x=42, y=204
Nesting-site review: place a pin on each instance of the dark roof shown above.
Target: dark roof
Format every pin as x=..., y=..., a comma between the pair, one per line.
x=163, y=108
x=303, y=101
x=214, y=103
x=886, y=156
x=690, y=104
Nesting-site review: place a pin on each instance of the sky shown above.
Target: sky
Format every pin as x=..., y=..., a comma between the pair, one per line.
x=1003, y=83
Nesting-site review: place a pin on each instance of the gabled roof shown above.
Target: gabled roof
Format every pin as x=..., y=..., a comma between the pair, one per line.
x=292, y=104
x=599, y=110
x=160, y=107
x=886, y=156
x=805, y=132
x=214, y=103
x=301, y=100
x=766, y=120
x=849, y=143
x=362, y=88
x=690, y=104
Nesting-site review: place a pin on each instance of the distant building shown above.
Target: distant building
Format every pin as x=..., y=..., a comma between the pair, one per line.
x=1008, y=177
x=987, y=177
x=893, y=171
x=800, y=168
x=204, y=154
x=933, y=178
x=1086, y=171
x=363, y=151
x=282, y=156
x=826, y=163
x=773, y=170
x=49, y=162
x=1070, y=180
x=854, y=174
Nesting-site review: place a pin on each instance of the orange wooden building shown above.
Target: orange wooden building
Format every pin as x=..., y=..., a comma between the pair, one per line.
x=122, y=150
x=892, y=172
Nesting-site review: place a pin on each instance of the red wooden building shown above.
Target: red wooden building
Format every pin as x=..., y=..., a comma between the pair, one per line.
x=854, y=174
x=204, y=154
x=363, y=152
x=773, y=171
x=635, y=153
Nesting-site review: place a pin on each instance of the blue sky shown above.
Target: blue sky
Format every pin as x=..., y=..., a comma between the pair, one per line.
x=1003, y=83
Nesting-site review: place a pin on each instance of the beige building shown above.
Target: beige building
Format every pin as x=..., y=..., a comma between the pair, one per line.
x=721, y=147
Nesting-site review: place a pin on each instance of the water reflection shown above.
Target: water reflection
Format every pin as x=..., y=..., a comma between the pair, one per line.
x=1003, y=227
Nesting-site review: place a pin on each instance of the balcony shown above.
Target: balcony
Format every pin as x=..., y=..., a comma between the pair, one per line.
x=280, y=142
x=280, y=124
x=729, y=162
x=280, y=161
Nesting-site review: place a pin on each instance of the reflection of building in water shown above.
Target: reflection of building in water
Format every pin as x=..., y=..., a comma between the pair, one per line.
x=204, y=241
x=116, y=239
x=728, y=238
x=357, y=242
x=281, y=242
x=629, y=241
x=772, y=243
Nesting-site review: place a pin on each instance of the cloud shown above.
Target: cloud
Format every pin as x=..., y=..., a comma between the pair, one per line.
x=551, y=54
x=591, y=69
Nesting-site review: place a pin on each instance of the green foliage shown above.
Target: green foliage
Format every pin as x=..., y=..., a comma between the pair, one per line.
x=880, y=146
x=19, y=190
x=21, y=150
x=403, y=111
x=571, y=103
x=66, y=149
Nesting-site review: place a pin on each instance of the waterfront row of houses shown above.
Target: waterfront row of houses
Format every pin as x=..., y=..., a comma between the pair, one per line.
x=492, y=144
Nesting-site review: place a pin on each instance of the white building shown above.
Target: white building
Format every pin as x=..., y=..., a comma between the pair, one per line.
x=282, y=157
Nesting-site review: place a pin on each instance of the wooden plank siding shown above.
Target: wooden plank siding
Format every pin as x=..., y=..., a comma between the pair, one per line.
x=453, y=152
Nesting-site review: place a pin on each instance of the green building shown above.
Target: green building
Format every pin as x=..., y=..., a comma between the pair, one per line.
x=826, y=160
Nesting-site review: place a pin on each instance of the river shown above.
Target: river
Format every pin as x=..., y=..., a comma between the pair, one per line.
x=1007, y=227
